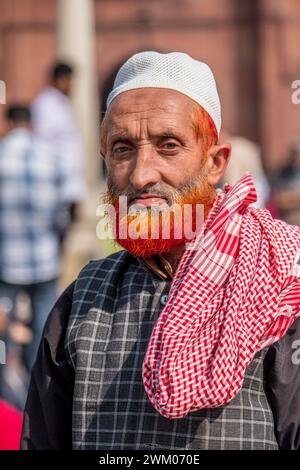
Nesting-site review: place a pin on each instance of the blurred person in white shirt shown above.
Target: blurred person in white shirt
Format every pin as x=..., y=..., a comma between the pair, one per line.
x=54, y=121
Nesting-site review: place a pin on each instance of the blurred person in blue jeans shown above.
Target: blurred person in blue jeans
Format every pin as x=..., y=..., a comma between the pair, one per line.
x=31, y=201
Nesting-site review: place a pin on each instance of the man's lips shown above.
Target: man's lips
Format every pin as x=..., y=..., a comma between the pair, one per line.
x=148, y=200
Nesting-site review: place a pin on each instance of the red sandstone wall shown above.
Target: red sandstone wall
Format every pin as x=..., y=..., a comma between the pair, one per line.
x=251, y=45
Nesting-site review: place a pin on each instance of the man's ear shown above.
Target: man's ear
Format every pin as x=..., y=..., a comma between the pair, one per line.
x=102, y=150
x=103, y=157
x=218, y=158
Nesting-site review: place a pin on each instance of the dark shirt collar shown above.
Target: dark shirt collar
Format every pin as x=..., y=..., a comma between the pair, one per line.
x=159, y=266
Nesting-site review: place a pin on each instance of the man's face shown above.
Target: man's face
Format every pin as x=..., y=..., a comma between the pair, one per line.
x=64, y=84
x=151, y=141
x=153, y=155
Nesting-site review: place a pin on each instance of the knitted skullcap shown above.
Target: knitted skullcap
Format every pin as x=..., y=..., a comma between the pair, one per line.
x=175, y=71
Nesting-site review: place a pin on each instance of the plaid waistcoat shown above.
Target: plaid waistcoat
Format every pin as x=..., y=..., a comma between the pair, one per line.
x=116, y=303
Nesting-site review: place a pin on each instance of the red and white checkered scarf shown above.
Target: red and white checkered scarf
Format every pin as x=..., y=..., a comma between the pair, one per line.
x=236, y=291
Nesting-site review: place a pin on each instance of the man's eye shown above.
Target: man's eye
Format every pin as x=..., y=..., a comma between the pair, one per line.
x=121, y=148
x=170, y=145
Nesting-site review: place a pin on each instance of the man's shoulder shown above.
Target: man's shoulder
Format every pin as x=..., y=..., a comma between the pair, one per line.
x=45, y=94
x=47, y=102
x=98, y=277
x=96, y=270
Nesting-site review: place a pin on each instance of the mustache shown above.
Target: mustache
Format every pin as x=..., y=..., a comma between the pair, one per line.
x=194, y=189
x=159, y=190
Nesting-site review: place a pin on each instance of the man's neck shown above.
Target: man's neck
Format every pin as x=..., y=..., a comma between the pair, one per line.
x=174, y=256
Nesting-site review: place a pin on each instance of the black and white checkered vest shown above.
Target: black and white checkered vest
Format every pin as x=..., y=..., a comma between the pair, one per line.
x=116, y=303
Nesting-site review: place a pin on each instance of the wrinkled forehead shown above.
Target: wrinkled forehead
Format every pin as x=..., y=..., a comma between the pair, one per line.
x=152, y=104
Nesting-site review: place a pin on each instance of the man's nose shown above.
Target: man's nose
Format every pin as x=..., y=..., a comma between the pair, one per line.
x=144, y=171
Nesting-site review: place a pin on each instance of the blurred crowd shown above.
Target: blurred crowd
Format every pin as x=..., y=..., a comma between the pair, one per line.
x=278, y=192
x=41, y=185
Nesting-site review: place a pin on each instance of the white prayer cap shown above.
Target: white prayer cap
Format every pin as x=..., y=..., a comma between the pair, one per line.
x=175, y=71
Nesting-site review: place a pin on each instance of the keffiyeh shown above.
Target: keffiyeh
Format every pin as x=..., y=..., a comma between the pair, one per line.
x=236, y=291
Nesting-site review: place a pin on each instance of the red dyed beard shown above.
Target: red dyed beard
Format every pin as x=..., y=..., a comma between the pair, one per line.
x=143, y=244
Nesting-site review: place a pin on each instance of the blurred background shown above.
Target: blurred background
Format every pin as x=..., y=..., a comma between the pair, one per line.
x=58, y=60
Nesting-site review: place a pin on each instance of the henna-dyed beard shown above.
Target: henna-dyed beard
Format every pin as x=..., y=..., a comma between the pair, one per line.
x=196, y=192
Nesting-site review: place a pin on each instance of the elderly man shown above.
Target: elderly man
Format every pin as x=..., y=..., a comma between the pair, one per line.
x=185, y=341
